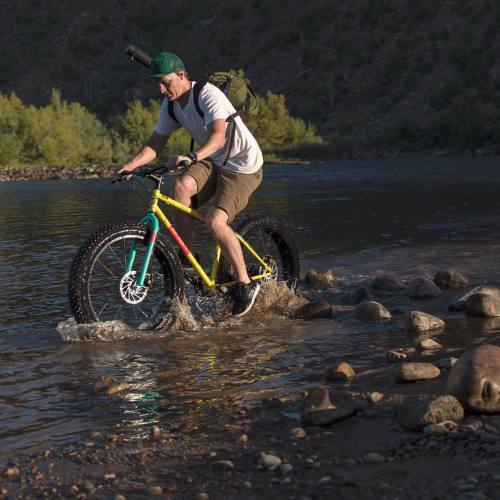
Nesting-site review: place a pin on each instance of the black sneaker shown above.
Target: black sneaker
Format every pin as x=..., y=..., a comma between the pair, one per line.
x=244, y=297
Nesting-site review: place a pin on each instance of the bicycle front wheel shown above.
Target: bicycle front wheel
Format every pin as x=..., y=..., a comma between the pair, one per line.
x=100, y=289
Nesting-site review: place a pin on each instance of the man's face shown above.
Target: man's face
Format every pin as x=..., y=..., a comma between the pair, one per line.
x=172, y=85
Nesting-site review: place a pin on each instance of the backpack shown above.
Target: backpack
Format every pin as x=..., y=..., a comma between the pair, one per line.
x=237, y=89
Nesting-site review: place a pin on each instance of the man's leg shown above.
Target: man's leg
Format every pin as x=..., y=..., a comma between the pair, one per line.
x=217, y=223
x=185, y=187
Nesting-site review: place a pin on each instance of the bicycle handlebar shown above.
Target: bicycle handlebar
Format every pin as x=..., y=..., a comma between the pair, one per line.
x=139, y=55
x=150, y=172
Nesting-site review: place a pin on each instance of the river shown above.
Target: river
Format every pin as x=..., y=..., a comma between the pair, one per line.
x=359, y=218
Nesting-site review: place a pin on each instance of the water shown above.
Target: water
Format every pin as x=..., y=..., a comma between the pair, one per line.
x=360, y=218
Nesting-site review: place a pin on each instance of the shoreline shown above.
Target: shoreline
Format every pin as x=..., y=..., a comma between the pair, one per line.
x=34, y=173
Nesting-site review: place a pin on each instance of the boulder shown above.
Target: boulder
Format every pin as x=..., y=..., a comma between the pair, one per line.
x=389, y=283
x=314, y=310
x=450, y=278
x=320, y=279
x=475, y=379
x=371, y=311
x=461, y=303
x=418, y=321
x=340, y=371
x=483, y=304
x=409, y=372
x=321, y=407
x=446, y=363
x=423, y=288
x=360, y=295
x=417, y=415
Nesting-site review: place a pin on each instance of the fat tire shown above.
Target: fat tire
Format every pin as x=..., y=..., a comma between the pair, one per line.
x=281, y=235
x=90, y=249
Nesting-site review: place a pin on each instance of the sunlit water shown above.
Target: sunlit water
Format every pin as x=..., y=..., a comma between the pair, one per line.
x=359, y=218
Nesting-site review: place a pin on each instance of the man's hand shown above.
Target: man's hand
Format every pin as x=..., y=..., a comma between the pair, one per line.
x=125, y=168
x=173, y=161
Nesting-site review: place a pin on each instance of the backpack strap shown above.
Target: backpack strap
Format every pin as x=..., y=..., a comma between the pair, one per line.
x=231, y=120
x=171, y=111
x=196, y=96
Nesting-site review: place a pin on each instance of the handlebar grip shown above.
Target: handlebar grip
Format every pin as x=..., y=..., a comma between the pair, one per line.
x=184, y=163
x=138, y=54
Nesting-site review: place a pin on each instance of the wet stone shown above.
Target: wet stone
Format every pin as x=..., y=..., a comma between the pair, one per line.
x=446, y=363
x=155, y=432
x=202, y=496
x=155, y=491
x=320, y=279
x=360, y=295
x=449, y=278
x=417, y=415
x=429, y=345
x=340, y=371
x=410, y=372
x=314, y=310
x=418, y=321
x=483, y=304
x=374, y=458
x=389, y=283
x=423, y=288
x=374, y=397
x=12, y=472
x=298, y=433
x=372, y=312
x=269, y=461
x=322, y=407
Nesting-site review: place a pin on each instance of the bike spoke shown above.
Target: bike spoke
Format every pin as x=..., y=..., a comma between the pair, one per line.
x=107, y=268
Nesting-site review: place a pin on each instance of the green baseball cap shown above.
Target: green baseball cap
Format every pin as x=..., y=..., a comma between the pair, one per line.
x=163, y=64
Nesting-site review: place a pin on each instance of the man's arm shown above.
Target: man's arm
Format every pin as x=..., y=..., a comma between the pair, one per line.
x=148, y=153
x=216, y=141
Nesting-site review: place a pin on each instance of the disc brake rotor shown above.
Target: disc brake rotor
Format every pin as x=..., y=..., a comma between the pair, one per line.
x=129, y=291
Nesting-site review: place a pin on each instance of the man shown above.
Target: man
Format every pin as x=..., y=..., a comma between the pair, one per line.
x=226, y=177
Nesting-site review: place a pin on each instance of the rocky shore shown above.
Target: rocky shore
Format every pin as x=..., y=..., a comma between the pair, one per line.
x=422, y=422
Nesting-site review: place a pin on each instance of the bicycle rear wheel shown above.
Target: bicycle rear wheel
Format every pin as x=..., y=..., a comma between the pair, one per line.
x=100, y=290
x=274, y=243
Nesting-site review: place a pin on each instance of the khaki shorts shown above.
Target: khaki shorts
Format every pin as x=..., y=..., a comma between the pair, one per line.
x=229, y=191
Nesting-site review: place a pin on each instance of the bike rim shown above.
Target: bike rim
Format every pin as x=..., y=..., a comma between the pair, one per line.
x=105, y=279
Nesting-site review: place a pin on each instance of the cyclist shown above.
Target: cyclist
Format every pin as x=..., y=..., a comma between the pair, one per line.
x=222, y=170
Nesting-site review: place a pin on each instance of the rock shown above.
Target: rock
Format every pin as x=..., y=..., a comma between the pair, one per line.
x=298, y=433
x=429, y=345
x=460, y=303
x=475, y=379
x=88, y=486
x=12, y=472
x=226, y=464
x=119, y=497
x=409, y=372
x=322, y=407
x=374, y=458
x=286, y=469
x=340, y=371
x=450, y=278
x=483, y=304
x=396, y=355
x=389, y=283
x=325, y=480
x=202, y=496
x=155, y=432
x=417, y=415
x=441, y=428
x=320, y=279
x=360, y=295
x=269, y=461
x=314, y=310
x=360, y=404
x=110, y=477
x=374, y=397
x=446, y=363
x=155, y=491
x=371, y=311
x=423, y=288
x=243, y=439
x=418, y=321
x=110, y=385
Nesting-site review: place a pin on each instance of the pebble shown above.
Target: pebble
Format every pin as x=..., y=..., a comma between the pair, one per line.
x=298, y=433
x=409, y=372
x=225, y=463
x=113, y=438
x=88, y=486
x=374, y=458
x=429, y=345
x=440, y=428
x=243, y=439
x=247, y=485
x=286, y=469
x=269, y=461
x=325, y=480
x=374, y=397
x=340, y=371
x=155, y=491
x=202, y=496
x=120, y=497
x=110, y=477
x=155, y=432
x=12, y=472
x=286, y=483
x=446, y=363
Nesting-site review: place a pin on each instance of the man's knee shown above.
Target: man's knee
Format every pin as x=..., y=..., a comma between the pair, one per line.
x=184, y=187
x=216, y=220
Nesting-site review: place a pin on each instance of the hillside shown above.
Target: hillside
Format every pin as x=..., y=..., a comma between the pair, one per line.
x=374, y=77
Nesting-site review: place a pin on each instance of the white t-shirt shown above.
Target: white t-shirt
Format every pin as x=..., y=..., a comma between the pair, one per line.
x=245, y=156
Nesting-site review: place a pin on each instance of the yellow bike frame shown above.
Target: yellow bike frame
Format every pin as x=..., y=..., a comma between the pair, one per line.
x=209, y=281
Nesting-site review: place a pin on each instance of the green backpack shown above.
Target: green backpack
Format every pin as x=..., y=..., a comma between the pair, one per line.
x=237, y=89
